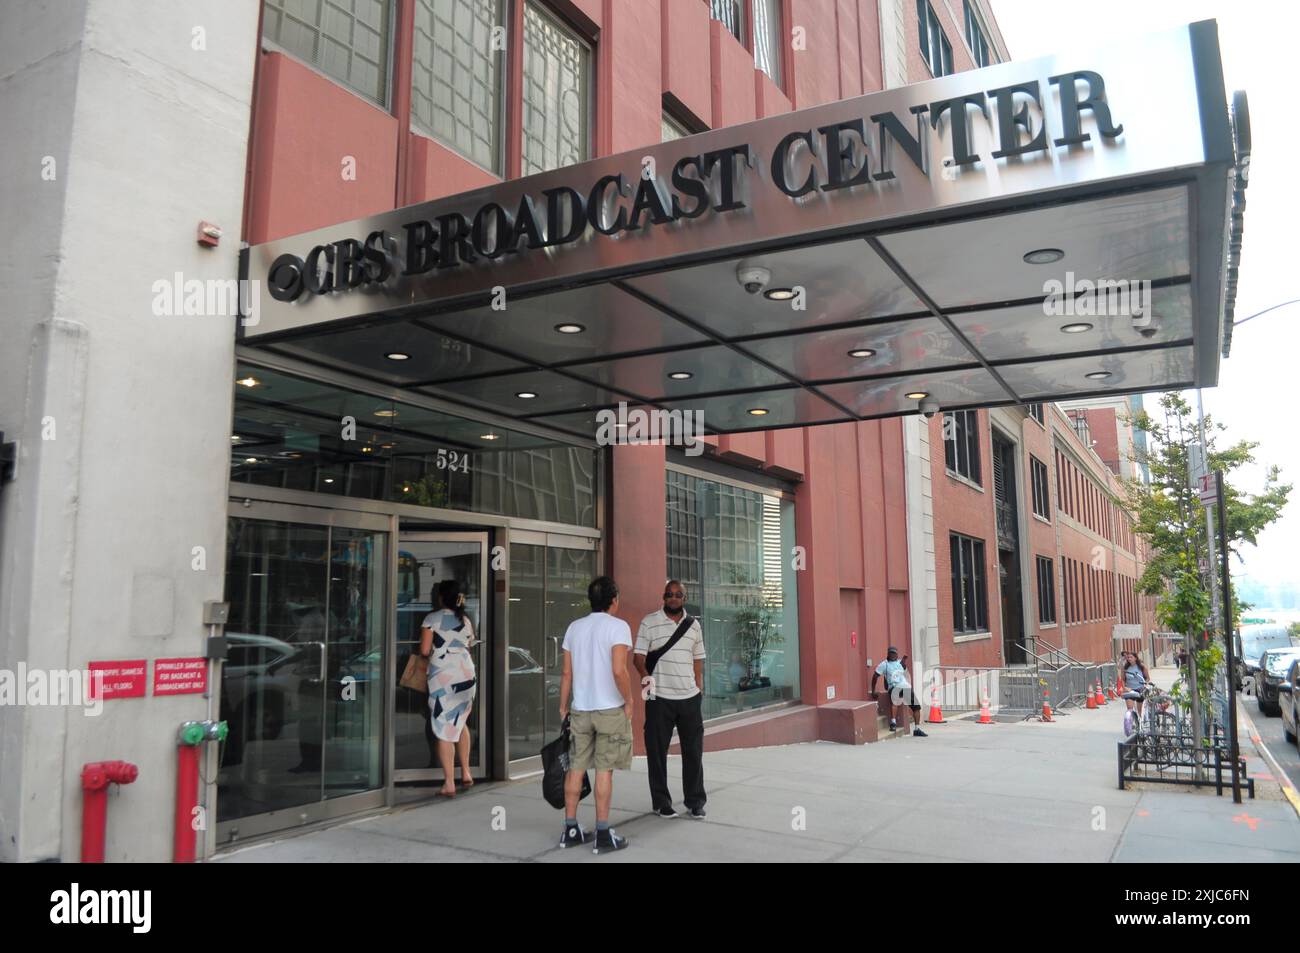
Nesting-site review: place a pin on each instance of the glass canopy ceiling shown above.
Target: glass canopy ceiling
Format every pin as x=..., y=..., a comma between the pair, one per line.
x=1045, y=230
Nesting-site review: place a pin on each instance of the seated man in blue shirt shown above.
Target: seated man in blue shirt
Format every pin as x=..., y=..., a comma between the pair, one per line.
x=900, y=691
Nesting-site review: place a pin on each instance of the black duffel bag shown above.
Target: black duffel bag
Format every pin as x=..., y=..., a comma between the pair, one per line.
x=555, y=765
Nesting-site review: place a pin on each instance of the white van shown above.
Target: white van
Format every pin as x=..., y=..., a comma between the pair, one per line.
x=1252, y=641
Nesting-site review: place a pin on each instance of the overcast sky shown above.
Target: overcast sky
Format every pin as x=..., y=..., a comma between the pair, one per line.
x=1258, y=40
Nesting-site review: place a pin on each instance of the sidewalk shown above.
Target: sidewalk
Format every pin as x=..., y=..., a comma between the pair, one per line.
x=1006, y=792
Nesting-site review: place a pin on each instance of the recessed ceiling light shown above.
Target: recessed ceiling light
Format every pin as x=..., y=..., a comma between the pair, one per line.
x=329, y=479
x=917, y=395
x=1098, y=375
x=570, y=328
x=385, y=412
x=397, y=356
x=525, y=395
x=235, y=438
x=862, y=352
x=1043, y=256
x=778, y=294
x=681, y=375
x=489, y=436
x=367, y=449
x=758, y=411
x=250, y=459
x=1076, y=327
x=249, y=381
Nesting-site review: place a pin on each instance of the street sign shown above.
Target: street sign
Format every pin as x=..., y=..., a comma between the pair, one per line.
x=1205, y=488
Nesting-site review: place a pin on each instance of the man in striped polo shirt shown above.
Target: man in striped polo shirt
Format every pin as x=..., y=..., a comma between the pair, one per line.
x=675, y=683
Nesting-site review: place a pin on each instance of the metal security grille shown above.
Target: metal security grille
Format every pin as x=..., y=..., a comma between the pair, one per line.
x=456, y=76
x=345, y=39
x=557, y=90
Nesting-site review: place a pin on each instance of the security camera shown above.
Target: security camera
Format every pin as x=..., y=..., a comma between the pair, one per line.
x=753, y=278
x=928, y=408
x=1144, y=323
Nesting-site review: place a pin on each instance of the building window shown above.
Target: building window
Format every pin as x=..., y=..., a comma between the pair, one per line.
x=1042, y=489
x=731, y=14
x=767, y=38
x=1036, y=411
x=725, y=543
x=979, y=46
x=934, y=45
x=969, y=599
x=557, y=94
x=456, y=77
x=347, y=40
x=1046, y=590
x=961, y=443
x=670, y=129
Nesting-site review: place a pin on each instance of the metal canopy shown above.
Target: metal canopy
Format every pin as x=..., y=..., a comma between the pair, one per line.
x=920, y=266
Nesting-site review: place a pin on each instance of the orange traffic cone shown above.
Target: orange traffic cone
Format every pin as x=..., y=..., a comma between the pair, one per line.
x=1113, y=693
x=1101, y=698
x=1092, y=699
x=1047, y=707
x=936, y=713
x=985, y=717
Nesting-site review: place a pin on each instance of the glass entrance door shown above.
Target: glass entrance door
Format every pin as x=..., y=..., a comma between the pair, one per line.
x=301, y=686
x=549, y=575
x=425, y=559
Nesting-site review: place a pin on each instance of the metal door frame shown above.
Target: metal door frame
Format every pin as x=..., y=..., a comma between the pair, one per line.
x=487, y=638
x=229, y=833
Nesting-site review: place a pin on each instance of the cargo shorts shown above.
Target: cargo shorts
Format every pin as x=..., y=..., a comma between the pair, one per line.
x=601, y=739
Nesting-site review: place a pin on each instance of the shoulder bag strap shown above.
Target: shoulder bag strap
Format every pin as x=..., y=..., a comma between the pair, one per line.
x=652, y=658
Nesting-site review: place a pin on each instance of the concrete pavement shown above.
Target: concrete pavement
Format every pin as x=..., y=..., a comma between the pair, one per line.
x=1005, y=792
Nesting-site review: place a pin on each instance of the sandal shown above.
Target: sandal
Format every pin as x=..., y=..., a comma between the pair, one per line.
x=442, y=793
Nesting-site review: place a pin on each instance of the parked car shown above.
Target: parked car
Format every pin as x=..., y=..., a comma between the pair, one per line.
x=1251, y=642
x=1288, y=700
x=1272, y=669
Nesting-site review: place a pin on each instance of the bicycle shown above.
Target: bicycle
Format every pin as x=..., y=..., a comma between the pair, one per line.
x=1153, y=705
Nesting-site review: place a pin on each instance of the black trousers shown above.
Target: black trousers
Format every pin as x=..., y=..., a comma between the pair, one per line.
x=687, y=716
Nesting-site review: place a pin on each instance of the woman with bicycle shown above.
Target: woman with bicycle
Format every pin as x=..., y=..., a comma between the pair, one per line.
x=1136, y=677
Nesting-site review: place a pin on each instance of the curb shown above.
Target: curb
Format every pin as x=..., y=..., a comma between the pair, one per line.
x=1284, y=782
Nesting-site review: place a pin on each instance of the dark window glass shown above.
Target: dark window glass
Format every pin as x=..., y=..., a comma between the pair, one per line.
x=725, y=544
x=287, y=433
x=1042, y=492
x=969, y=600
x=979, y=46
x=934, y=45
x=962, y=443
x=1046, y=591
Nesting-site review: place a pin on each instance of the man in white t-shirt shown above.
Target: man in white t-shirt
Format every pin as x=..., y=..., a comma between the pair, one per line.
x=674, y=680
x=595, y=671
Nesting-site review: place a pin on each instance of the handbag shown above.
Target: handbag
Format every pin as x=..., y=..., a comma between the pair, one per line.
x=416, y=674
x=555, y=765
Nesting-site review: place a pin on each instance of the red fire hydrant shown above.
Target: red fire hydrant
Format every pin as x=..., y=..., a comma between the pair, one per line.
x=95, y=779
